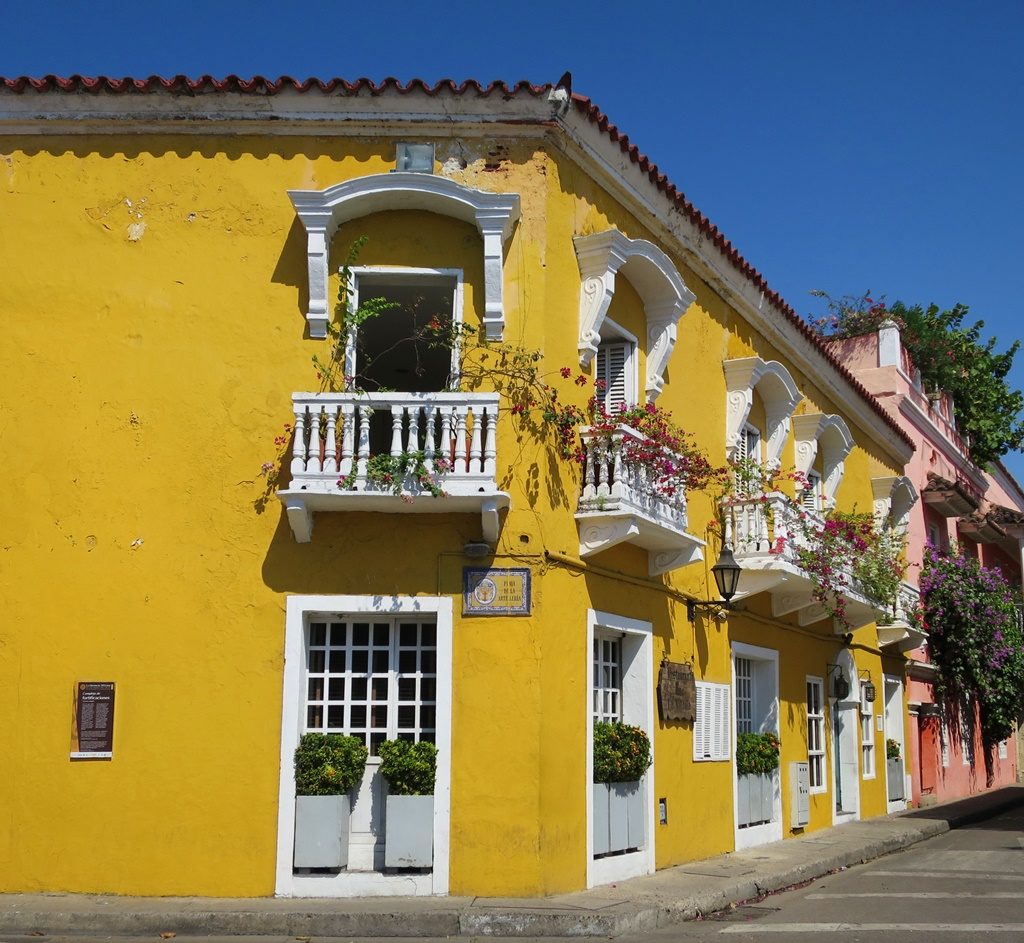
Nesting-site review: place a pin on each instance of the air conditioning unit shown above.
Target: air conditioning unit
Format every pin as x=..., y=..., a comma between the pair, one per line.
x=800, y=796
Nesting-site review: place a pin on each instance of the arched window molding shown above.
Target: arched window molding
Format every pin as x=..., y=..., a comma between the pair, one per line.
x=778, y=392
x=323, y=211
x=661, y=288
x=894, y=497
x=831, y=436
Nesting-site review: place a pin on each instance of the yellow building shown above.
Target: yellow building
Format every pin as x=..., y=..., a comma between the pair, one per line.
x=173, y=256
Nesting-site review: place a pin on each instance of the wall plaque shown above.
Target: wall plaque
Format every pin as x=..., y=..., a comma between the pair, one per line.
x=92, y=732
x=677, y=694
x=502, y=592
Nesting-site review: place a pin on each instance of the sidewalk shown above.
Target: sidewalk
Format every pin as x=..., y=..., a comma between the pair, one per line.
x=668, y=896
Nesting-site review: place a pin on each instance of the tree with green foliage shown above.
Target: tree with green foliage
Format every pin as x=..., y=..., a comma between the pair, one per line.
x=951, y=357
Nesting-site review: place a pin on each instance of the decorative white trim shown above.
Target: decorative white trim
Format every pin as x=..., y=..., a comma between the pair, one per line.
x=894, y=496
x=362, y=884
x=778, y=392
x=770, y=831
x=322, y=211
x=664, y=293
x=850, y=733
x=833, y=437
x=638, y=710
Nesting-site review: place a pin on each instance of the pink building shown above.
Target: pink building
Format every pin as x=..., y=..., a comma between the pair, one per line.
x=943, y=500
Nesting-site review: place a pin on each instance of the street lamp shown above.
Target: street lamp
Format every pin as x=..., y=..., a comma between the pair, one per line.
x=726, y=572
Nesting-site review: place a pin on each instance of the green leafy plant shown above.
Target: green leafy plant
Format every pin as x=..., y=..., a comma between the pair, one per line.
x=328, y=764
x=757, y=753
x=622, y=753
x=409, y=768
x=892, y=749
x=951, y=357
x=390, y=472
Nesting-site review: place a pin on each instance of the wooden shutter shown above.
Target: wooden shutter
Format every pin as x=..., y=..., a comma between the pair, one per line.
x=711, y=728
x=809, y=498
x=611, y=369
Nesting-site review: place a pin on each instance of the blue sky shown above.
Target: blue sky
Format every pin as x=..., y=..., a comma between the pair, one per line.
x=844, y=147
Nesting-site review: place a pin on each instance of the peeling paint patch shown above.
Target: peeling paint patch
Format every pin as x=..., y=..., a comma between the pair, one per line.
x=135, y=231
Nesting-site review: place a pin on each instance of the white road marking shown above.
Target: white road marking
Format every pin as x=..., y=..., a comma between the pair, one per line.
x=959, y=875
x=927, y=895
x=874, y=928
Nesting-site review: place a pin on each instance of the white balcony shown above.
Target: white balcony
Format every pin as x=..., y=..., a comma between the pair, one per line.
x=896, y=628
x=337, y=434
x=766, y=539
x=621, y=503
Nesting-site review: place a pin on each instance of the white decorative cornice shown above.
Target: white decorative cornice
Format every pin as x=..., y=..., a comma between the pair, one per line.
x=323, y=211
x=661, y=288
x=778, y=392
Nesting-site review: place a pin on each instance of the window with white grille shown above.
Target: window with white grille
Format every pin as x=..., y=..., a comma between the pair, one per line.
x=613, y=369
x=711, y=728
x=867, y=736
x=816, y=733
x=607, y=678
x=744, y=696
x=372, y=680
x=1002, y=749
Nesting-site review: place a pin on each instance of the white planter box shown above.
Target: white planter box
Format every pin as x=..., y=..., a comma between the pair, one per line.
x=895, y=778
x=618, y=817
x=321, y=831
x=409, y=832
x=755, y=798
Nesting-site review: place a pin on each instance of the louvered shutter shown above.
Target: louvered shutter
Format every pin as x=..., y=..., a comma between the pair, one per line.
x=611, y=370
x=809, y=499
x=711, y=728
x=720, y=733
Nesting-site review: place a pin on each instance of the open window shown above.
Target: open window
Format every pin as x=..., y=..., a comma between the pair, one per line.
x=406, y=347
x=615, y=367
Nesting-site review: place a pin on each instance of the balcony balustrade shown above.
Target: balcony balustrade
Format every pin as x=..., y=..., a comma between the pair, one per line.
x=337, y=435
x=897, y=627
x=622, y=502
x=767, y=533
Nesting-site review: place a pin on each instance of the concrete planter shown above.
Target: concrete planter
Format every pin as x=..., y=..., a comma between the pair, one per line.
x=895, y=778
x=618, y=817
x=321, y=831
x=409, y=832
x=755, y=798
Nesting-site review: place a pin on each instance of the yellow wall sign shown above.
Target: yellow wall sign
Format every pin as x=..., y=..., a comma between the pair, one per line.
x=504, y=592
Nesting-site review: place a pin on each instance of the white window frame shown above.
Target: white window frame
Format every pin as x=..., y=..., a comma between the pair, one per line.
x=868, y=746
x=606, y=683
x=749, y=434
x=404, y=275
x=810, y=498
x=711, y=728
x=817, y=719
x=298, y=609
x=613, y=334
x=637, y=650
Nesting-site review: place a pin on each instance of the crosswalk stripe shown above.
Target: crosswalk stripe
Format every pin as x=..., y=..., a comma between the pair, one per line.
x=928, y=895
x=959, y=875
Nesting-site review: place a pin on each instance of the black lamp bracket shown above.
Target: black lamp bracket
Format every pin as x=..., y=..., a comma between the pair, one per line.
x=714, y=607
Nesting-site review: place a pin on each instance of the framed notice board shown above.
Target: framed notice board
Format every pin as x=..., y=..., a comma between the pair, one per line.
x=92, y=726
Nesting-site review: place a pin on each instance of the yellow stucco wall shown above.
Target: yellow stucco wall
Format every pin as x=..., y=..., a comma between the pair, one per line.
x=156, y=290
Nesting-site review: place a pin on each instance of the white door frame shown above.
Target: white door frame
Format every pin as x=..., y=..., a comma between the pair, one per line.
x=362, y=883
x=770, y=831
x=849, y=708
x=638, y=710
x=894, y=728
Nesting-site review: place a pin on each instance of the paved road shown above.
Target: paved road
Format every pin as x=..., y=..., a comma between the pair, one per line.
x=963, y=886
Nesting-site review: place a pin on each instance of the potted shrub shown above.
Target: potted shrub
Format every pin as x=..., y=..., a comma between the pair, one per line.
x=410, y=770
x=757, y=758
x=327, y=767
x=894, y=770
x=622, y=754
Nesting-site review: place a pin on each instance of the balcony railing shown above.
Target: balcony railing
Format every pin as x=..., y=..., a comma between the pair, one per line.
x=452, y=436
x=621, y=501
x=898, y=627
x=767, y=533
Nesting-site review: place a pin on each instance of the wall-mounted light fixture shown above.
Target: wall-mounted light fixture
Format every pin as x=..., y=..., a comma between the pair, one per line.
x=867, y=686
x=840, y=686
x=726, y=572
x=414, y=158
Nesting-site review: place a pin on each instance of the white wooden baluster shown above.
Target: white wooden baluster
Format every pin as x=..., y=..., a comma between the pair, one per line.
x=397, y=415
x=604, y=460
x=617, y=470
x=348, y=417
x=490, y=446
x=448, y=437
x=331, y=442
x=428, y=435
x=313, y=459
x=476, y=446
x=414, y=427
x=299, y=445
x=363, y=448
x=461, y=465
